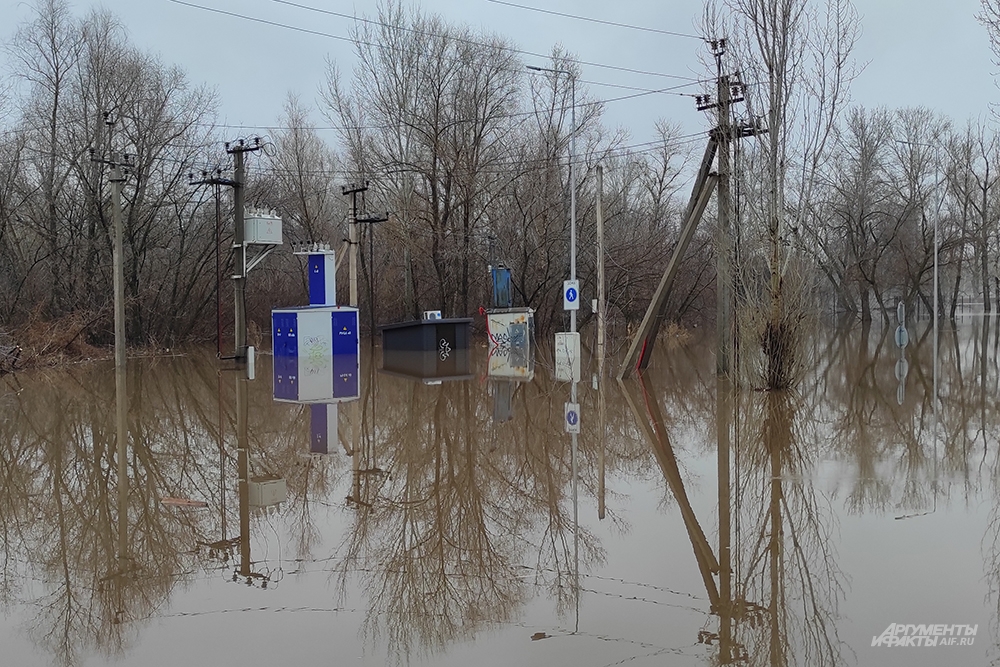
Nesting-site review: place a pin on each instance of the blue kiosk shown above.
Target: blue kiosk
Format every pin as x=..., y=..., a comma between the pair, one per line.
x=317, y=350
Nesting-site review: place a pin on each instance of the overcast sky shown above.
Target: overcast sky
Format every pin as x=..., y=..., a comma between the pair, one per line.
x=918, y=52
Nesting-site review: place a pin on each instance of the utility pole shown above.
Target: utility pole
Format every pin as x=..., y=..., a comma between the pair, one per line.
x=239, y=243
x=118, y=166
x=730, y=90
x=601, y=325
x=724, y=269
x=355, y=219
x=240, y=268
x=352, y=226
x=601, y=306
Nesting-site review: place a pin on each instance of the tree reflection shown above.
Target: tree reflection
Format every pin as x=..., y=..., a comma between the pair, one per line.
x=63, y=506
x=787, y=583
x=105, y=552
x=441, y=541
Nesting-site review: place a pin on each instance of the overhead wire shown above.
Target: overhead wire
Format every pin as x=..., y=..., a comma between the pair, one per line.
x=320, y=33
x=548, y=113
x=472, y=42
x=497, y=167
x=593, y=20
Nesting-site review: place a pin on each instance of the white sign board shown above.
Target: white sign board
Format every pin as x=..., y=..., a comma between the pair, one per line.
x=571, y=295
x=568, y=356
x=571, y=415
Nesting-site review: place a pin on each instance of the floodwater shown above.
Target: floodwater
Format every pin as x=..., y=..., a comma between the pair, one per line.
x=431, y=521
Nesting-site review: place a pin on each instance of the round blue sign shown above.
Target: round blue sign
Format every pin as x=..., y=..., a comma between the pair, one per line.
x=572, y=417
x=571, y=294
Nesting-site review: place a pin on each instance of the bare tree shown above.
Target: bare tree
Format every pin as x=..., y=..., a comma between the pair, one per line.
x=796, y=56
x=431, y=107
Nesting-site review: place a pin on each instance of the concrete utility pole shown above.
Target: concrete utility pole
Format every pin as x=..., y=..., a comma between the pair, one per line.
x=724, y=249
x=572, y=178
x=118, y=165
x=352, y=227
x=601, y=325
x=116, y=179
x=572, y=198
x=121, y=379
x=601, y=306
x=239, y=244
x=238, y=184
x=354, y=221
x=730, y=90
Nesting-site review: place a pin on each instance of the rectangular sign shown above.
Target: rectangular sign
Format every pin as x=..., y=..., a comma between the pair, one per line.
x=568, y=356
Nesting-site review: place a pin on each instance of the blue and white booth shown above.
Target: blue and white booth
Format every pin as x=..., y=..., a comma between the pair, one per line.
x=317, y=351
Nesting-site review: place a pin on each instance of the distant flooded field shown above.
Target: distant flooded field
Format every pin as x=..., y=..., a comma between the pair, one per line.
x=429, y=518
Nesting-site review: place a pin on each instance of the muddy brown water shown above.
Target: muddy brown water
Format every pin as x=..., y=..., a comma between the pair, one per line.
x=437, y=527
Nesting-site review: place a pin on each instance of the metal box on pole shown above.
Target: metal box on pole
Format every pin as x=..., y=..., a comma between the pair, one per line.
x=266, y=491
x=262, y=228
x=322, y=279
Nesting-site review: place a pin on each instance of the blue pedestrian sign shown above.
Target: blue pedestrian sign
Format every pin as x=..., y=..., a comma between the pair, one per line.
x=572, y=412
x=571, y=295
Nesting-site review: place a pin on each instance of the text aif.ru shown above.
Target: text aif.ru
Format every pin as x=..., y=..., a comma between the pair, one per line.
x=903, y=634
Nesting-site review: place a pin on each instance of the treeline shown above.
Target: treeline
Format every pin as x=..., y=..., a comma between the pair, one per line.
x=467, y=150
x=891, y=175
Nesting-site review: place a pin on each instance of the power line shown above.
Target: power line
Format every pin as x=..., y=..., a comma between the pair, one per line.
x=642, y=92
x=497, y=167
x=319, y=33
x=267, y=22
x=593, y=20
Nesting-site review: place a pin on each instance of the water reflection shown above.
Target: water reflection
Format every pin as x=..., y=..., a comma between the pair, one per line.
x=788, y=585
x=442, y=510
x=442, y=542
x=62, y=510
